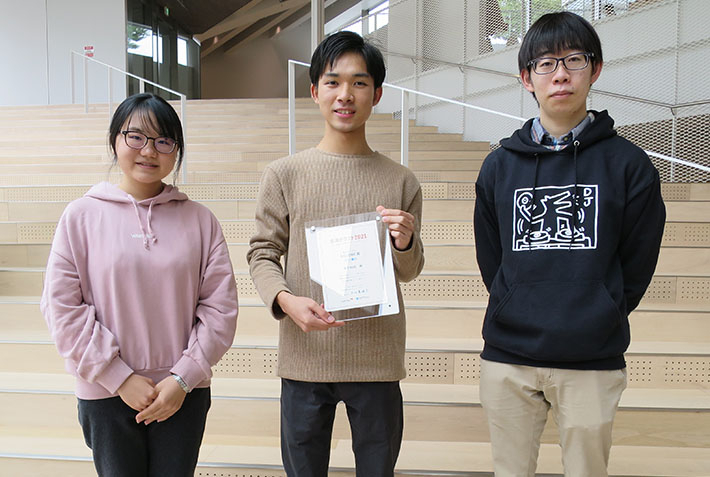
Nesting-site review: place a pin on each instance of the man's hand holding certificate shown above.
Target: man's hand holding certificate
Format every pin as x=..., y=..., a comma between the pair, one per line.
x=306, y=313
x=400, y=224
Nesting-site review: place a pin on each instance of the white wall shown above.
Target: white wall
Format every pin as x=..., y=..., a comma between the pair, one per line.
x=36, y=37
x=23, y=50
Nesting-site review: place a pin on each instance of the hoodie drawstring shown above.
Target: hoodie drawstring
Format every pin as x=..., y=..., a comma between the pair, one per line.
x=153, y=238
x=532, y=201
x=575, y=198
x=575, y=204
x=140, y=223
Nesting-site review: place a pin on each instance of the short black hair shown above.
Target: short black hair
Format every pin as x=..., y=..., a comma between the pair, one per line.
x=559, y=31
x=155, y=113
x=337, y=44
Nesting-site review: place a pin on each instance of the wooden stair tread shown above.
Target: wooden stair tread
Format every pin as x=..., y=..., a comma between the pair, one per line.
x=252, y=301
x=226, y=135
x=414, y=343
x=697, y=399
x=422, y=456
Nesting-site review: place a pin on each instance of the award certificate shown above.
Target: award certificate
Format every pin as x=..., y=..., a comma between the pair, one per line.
x=351, y=266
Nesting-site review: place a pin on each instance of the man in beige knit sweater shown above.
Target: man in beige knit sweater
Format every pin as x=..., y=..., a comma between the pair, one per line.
x=323, y=361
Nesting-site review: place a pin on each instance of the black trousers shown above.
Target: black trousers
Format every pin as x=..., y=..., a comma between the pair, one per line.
x=307, y=413
x=122, y=448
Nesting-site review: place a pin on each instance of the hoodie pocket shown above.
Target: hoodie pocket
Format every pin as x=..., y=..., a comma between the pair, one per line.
x=558, y=321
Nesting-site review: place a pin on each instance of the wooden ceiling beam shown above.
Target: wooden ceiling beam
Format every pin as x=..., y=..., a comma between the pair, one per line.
x=264, y=28
x=221, y=40
x=250, y=16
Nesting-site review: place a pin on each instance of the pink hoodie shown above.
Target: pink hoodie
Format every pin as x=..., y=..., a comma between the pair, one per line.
x=144, y=287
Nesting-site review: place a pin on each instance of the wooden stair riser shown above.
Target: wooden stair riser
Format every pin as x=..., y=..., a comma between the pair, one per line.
x=428, y=367
x=23, y=321
x=444, y=290
x=436, y=422
x=205, y=191
x=454, y=210
x=446, y=258
x=677, y=234
x=12, y=467
x=224, y=136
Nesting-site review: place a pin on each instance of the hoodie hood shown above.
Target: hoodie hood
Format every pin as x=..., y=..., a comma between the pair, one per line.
x=521, y=141
x=112, y=193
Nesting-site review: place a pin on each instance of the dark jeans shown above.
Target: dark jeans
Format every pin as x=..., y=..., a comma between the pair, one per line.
x=307, y=414
x=122, y=448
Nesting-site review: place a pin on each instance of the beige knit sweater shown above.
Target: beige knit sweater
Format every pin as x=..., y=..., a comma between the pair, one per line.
x=315, y=185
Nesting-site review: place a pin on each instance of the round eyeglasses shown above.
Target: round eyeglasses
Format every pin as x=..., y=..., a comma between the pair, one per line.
x=136, y=140
x=573, y=62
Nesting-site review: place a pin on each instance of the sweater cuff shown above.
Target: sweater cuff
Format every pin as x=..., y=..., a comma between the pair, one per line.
x=190, y=372
x=408, y=262
x=270, y=300
x=114, y=375
x=413, y=250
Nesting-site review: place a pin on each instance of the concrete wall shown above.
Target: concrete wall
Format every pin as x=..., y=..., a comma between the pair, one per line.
x=36, y=37
x=259, y=68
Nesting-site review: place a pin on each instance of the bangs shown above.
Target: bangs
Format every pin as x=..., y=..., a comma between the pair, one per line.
x=152, y=113
x=152, y=120
x=552, y=42
x=334, y=46
x=556, y=32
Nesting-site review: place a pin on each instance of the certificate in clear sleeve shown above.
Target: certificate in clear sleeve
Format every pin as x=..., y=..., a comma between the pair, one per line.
x=350, y=266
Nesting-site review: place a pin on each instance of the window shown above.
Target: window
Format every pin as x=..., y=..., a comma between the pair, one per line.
x=182, y=51
x=354, y=21
x=379, y=16
x=139, y=39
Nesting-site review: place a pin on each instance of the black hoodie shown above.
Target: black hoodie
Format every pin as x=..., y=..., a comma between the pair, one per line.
x=561, y=299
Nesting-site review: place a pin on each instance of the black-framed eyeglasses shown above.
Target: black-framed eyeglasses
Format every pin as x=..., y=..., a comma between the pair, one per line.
x=548, y=64
x=136, y=140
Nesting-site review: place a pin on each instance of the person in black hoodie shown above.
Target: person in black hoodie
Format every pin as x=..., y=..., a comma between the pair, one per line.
x=568, y=225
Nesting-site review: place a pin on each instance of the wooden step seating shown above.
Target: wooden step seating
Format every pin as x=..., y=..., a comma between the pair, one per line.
x=227, y=146
x=200, y=177
x=239, y=208
x=661, y=428
x=434, y=413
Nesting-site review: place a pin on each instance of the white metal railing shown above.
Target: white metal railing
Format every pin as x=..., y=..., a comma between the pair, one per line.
x=404, y=136
x=141, y=82
x=672, y=108
x=675, y=160
x=404, y=158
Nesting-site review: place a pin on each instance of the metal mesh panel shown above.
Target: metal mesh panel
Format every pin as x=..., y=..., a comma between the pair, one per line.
x=655, y=51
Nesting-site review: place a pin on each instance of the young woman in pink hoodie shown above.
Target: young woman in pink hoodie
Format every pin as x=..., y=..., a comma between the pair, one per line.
x=141, y=301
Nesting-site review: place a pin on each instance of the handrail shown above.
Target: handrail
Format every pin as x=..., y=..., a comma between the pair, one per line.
x=678, y=161
x=516, y=76
x=404, y=159
x=141, y=82
x=627, y=97
x=404, y=136
x=452, y=64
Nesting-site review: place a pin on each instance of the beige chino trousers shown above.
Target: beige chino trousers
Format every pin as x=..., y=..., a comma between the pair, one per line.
x=517, y=399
